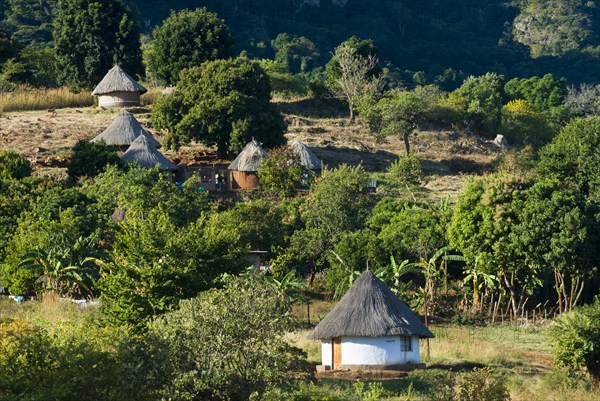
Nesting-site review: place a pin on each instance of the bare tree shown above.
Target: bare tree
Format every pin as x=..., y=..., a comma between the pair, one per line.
x=354, y=79
x=585, y=100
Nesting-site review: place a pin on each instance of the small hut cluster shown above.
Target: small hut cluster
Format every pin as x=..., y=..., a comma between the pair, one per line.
x=370, y=328
x=246, y=165
x=125, y=133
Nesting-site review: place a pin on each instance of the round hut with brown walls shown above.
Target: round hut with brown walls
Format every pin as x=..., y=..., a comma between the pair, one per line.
x=122, y=131
x=370, y=329
x=118, y=89
x=143, y=153
x=245, y=167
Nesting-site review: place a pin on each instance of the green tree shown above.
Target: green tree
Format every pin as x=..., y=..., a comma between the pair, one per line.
x=282, y=173
x=156, y=263
x=93, y=35
x=187, y=39
x=353, y=75
x=296, y=53
x=229, y=344
x=523, y=125
x=407, y=170
x=223, y=103
x=542, y=93
x=576, y=339
x=90, y=159
x=481, y=99
x=364, y=48
x=574, y=155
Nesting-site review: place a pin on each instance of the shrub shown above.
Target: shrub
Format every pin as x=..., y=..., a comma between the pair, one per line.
x=13, y=165
x=576, y=339
x=282, y=173
x=91, y=158
x=407, y=170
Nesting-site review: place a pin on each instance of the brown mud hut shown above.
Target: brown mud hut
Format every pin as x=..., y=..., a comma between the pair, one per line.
x=118, y=89
x=123, y=130
x=143, y=153
x=246, y=165
x=370, y=329
x=307, y=158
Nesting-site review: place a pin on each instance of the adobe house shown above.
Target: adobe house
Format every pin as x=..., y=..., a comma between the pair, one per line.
x=246, y=165
x=118, y=89
x=370, y=329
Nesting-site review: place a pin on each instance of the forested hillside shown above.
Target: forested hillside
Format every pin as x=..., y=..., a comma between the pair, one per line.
x=446, y=40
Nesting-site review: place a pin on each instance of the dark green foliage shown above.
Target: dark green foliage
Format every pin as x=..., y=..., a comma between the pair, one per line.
x=282, y=173
x=138, y=190
x=223, y=103
x=13, y=165
x=229, y=344
x=296, y=53
x=29, y=22
x=574, y=155
x=541, y=93
x=91, y=36
x=480, y=99
x=523, y=125
x=90, y=158
x=8, y=48
x=156, y=263
x=576, y=338
x=187, y=39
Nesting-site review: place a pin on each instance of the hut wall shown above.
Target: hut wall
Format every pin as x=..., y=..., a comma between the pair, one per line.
x=326, y=353
x=245, y=180
x=379, y=351
x=119, y=99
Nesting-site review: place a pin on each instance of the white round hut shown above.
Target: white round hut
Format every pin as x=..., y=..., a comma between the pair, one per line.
x=143, y=153
x=118, y=89
x=370, y=328
x=123, y=130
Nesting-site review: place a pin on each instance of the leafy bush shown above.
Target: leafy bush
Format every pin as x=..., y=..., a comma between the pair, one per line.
x=478, y=385
x=13, y=165
x=407, y=170
x=576, y=339
x=91, y=158
x=282, y=173
x=229, y=344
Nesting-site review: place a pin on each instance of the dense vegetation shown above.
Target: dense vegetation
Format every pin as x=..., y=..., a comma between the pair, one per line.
x=180, y=316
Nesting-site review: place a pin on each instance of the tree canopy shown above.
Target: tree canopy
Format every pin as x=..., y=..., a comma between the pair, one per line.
x=223, y=103
x=91, y=36
x=187, y=39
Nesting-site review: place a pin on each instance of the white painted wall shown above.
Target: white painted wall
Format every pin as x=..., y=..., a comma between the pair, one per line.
x=326, y=353
x=376, y=351
x=119, y=99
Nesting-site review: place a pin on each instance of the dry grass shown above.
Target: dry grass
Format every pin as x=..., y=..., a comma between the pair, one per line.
x=25, y=98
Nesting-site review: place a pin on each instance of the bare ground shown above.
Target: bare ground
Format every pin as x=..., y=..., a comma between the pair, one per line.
x=449, y=157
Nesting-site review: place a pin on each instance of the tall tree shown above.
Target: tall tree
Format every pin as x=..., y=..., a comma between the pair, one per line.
x=93, y=35
x=223, y=103
x=187, y=39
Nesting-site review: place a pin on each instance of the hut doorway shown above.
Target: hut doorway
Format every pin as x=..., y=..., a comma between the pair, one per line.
x=337, y=353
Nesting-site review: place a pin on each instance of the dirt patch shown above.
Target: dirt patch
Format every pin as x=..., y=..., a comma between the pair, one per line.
x=363, y=375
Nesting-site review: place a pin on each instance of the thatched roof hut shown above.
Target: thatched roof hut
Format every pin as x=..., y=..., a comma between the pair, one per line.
x=370, y=328
x=308, y=159
x=118, y=89
x=143, y=153
x=246, y=164
x=123, y=130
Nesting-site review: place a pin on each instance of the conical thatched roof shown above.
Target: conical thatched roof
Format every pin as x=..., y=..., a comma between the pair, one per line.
x=370, y=309
x=307, y=157
x=250, y=158
x=117, y=80
x=143, y=153
x=123, y=130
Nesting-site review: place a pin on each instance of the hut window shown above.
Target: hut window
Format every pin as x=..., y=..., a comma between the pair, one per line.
x=405, y=344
